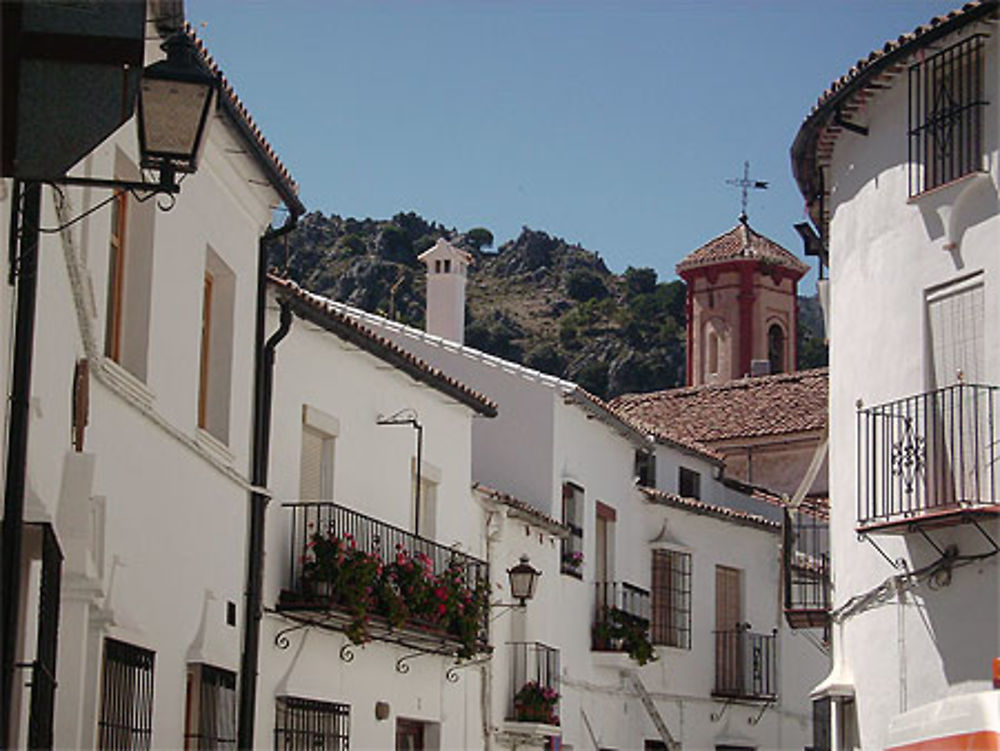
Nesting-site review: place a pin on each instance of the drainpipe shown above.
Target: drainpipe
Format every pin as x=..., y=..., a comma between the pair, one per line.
x=260, y=455
x=23, y=253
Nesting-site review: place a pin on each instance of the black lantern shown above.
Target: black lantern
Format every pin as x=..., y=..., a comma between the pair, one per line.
x=175, y=99
x=523, y=579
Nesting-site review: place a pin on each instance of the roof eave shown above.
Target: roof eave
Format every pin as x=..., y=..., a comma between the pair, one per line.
x=802, y=151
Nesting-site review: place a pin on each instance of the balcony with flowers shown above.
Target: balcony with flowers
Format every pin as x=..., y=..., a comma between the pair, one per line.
x=373, y=581
x=533, y=690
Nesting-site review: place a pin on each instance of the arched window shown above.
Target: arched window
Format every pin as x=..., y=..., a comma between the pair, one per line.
x=713, y=353
x=776, y=348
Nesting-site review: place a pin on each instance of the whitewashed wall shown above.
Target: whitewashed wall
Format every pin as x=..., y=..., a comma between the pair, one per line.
x=372, y=475
x=885, y=252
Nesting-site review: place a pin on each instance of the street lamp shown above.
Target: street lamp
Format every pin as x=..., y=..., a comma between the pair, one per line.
x=175, y=99
x=523, y=579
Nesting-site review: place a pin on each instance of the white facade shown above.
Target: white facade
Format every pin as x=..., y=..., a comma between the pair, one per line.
x=151, y=512
x=325, y=384
x=913, y=314
x=550, y=436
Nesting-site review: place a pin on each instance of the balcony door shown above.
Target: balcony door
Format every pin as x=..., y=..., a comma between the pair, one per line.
x=409, y=735
x=604, y=535
x=729, y=644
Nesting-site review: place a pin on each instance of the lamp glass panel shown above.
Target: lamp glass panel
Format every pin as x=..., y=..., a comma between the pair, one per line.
x=172, y=112
x=522, y=583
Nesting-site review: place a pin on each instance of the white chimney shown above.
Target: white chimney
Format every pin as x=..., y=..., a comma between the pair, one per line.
x=446, y=274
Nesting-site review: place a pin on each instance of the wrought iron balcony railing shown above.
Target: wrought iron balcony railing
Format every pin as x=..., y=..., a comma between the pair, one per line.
x=534, y=683
x=621, y=615
x=386, y=583
x=806, y=567
x=928, y=454
x=746, y=664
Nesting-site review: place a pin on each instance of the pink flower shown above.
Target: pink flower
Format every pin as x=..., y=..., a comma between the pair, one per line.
x=441, y=608
x=441, y=594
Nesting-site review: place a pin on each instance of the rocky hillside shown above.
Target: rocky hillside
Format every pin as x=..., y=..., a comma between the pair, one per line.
x=536, y=300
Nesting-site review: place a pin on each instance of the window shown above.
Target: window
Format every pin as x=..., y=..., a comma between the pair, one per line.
x=130, y=267
x=316, y=463
x=572, y=516
x=425, y=507
x=821, y=724
x=447, y=265
x=671, y=584
x=126, y=718
x=604, y=542
x=645, y=468
x=713, y=353
x=776, y=348
x=946, y=115
x=210, y=721
x=688, y=483
x=956, y=340
x=216, y=363
x=309, y=725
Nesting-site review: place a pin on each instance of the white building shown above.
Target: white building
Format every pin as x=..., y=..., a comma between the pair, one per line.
x=353, y=416
x=140, y=433
x=898, y=163
x=687, y=560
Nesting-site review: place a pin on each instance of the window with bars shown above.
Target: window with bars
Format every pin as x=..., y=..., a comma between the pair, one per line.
x=310, y=725
x=946, y=118
x=671, y=595
x=126, y=719
x=211, y=709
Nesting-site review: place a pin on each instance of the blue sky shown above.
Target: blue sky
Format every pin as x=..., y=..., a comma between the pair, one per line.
x=612, y=124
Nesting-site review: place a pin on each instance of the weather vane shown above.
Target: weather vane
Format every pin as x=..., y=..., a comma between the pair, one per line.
x=746, y=184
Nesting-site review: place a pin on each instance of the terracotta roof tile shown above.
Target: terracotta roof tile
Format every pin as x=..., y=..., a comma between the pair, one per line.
x=746, y=408
x=229, y=100
x=709, y=509
x=742, y=243
x=523, y=508
x=816, y=137
x=319, y=310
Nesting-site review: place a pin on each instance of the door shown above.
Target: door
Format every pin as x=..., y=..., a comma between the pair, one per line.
x=409, y=735
x=730, y=633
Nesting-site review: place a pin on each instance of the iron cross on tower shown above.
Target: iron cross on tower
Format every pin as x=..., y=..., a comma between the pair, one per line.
x=746, y=184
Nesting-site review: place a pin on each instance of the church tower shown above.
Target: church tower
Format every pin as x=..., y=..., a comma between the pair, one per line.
x=742, y=306
x=447, y=267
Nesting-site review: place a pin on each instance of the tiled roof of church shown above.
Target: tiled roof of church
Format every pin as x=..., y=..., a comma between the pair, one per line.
x=745, y=408
x=742, y=243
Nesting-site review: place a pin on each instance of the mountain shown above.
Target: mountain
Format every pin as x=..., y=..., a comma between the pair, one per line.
x=536, y=300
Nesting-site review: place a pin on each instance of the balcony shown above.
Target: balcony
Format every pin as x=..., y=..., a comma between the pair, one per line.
x=806, y=566
x=929, y=459
x=533, y=692
x=746, y=665
x=352, y=573
x=621, y=620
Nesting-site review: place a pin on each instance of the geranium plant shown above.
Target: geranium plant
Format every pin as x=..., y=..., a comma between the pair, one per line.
x=621, y=631
x=405, y=591
x=534, y=702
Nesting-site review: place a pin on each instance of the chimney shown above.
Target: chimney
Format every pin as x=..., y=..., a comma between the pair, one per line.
x=446, y=275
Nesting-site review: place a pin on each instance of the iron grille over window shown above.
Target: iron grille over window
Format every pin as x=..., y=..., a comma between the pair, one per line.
x=946, y=115
x=309, y=725
x=126, y=720
x=672, y=598
x=211, y=709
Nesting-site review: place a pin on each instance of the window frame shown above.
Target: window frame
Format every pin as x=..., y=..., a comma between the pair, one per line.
x=688, y=478
x=675, y=631
x=211, y=691
x=935, y=133
x=114, y=312
x=573, y=507
x=335, y=738
x=125, y=717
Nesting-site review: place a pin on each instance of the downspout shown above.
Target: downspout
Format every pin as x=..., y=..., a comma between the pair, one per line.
x=24, y=253
x=260, y=456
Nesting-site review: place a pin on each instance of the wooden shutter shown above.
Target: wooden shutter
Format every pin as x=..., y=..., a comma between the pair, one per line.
x=728, y=598
x=955, y=316
x=311, y=465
